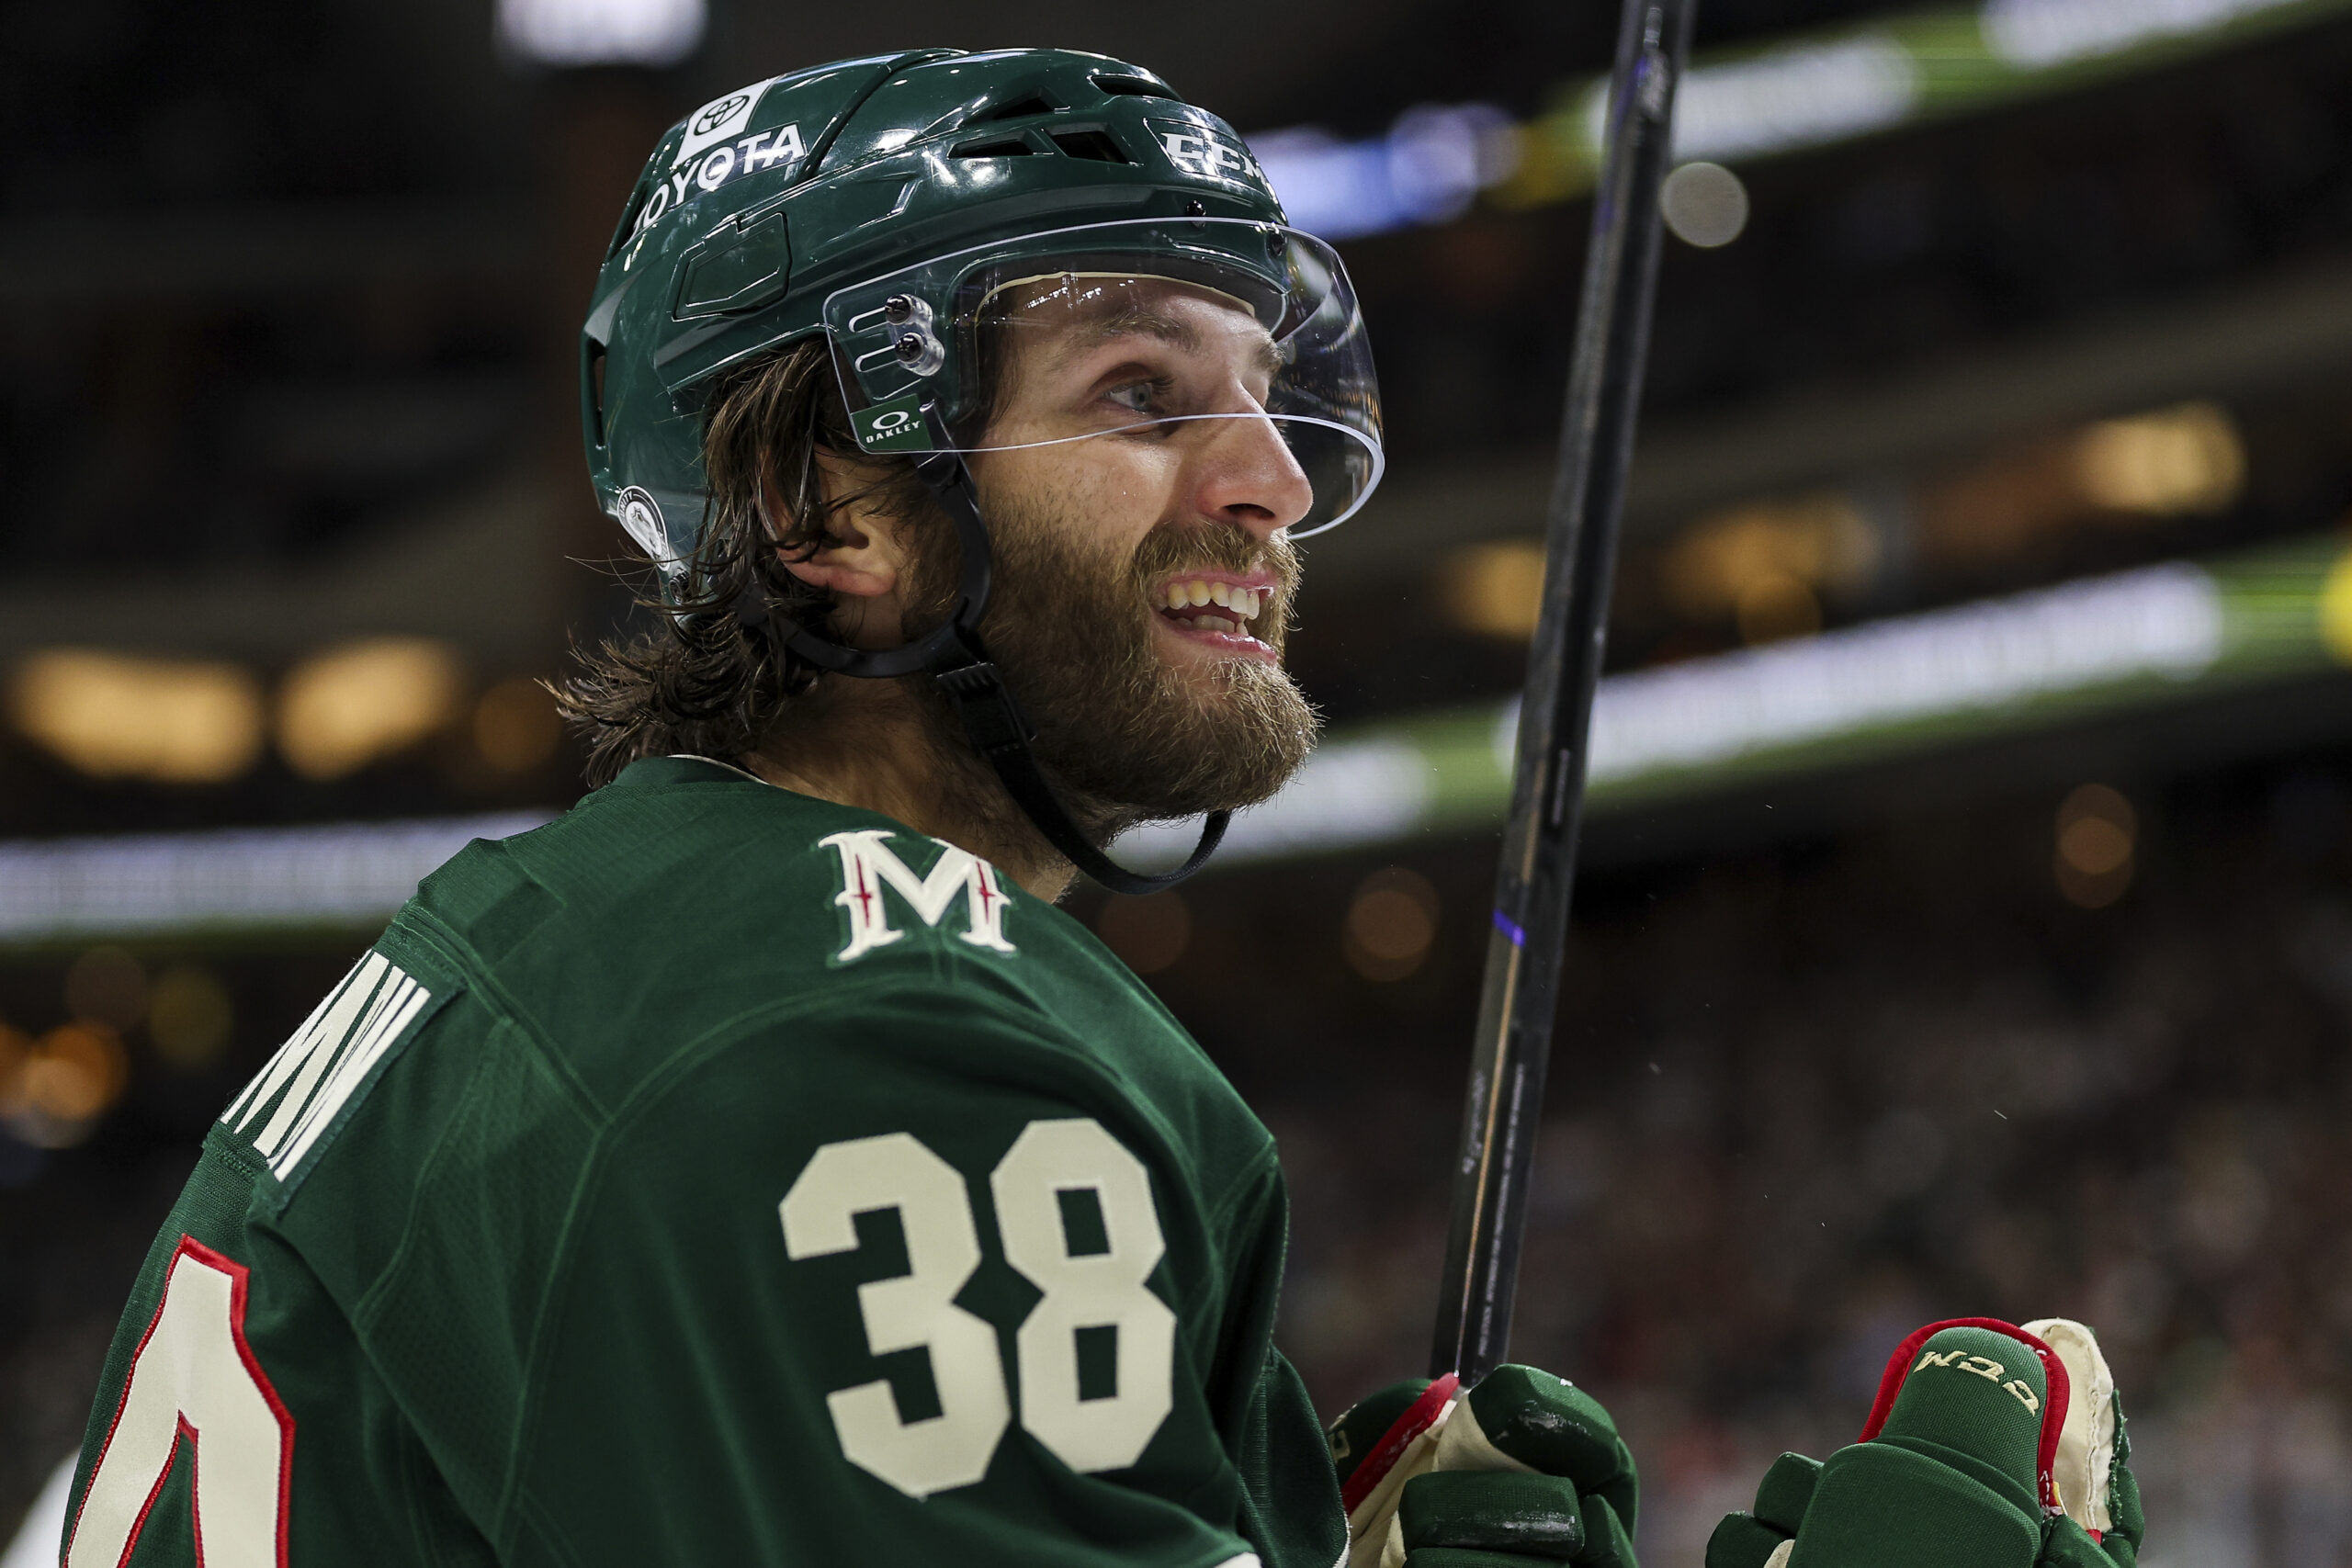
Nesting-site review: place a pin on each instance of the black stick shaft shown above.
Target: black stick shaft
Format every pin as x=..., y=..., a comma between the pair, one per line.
x=1538, y=870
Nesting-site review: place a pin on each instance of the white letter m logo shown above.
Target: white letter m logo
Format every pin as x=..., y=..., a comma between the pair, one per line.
x=869, y=864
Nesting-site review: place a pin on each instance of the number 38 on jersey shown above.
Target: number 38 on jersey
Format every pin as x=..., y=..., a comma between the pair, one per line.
x=1099, y=1287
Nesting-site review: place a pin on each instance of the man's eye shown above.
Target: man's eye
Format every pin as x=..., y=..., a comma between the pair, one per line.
x=1137, y=396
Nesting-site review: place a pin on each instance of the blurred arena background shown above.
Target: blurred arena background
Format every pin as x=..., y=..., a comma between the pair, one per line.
x=1967, y=926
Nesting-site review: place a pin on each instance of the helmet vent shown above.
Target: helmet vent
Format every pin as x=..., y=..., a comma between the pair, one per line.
x=1095, y=146
x=1124, y=87
x=1015, y=108
x=995, y=147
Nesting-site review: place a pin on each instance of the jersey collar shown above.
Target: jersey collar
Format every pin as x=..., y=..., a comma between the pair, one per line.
x=685, y=768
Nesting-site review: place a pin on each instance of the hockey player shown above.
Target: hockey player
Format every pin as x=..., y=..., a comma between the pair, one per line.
x=753, y=1167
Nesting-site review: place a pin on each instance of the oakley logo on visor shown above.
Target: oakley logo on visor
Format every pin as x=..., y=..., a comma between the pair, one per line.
x=895, y=425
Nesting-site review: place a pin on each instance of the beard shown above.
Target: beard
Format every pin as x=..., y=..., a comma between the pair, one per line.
x=1124, y=736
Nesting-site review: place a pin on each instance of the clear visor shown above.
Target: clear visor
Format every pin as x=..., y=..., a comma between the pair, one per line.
x=1227, y=356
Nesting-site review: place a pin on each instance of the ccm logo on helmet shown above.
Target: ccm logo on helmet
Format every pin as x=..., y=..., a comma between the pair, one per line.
x=1196, y=151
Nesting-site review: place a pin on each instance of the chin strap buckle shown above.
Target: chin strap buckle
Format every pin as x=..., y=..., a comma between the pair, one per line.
x=991, y=718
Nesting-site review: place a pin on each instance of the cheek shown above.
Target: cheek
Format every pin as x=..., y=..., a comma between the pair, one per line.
x=1119, y=489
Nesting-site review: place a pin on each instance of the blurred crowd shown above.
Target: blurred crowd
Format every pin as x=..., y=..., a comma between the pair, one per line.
x=1803, y=1104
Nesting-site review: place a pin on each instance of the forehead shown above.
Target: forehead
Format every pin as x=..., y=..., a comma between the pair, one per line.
x=1067, y=313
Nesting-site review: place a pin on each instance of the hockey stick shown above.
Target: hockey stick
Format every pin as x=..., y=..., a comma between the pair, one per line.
x=1538, y=869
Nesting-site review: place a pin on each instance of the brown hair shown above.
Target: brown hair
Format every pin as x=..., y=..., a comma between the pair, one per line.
x=697, y=680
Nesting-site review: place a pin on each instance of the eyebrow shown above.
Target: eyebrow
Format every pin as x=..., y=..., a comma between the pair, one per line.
x=1136, y=321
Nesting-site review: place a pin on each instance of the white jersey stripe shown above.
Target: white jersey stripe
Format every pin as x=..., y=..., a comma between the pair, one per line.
x=388, y=996
x=274, y=1071
x=299, y=1046
x=315, y=1073
x=332, y=1031
x=351, y=1070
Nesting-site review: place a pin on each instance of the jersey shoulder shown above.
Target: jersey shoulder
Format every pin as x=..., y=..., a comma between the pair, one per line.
x=690, y=906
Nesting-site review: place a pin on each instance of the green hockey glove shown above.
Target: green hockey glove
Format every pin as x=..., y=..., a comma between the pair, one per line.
x=1751, y=1539
x=1990, y=1447
x=1526, y=1471
x=1954, y=1468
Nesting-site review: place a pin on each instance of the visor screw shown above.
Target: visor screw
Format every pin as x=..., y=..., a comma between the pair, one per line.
x=1196, y=209
x=909, y=347
x=897, y=308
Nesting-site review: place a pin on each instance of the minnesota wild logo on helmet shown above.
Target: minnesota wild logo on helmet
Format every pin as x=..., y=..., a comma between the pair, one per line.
x=899, y=203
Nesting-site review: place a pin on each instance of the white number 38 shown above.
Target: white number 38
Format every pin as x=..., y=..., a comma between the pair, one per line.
x=1089, y=1289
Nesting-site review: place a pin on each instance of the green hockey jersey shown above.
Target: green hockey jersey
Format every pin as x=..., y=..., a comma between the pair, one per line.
x=718, y=1175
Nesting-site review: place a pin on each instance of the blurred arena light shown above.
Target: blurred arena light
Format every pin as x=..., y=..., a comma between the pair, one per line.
x=1909, y=684
x=2165, y=463
x=1428, y=169
x=2336, y=610
x=1766, y=563
x=229, y=879
x=2097, y=834
x=570, y=33
x=1495, y=587
x=1704, y=205
x=115, y=715
x=1908, y=681
x=1800, y=95
x=515, y=727
x=354, y=705
x=2041, y=33
x=1391, y=924
x=1802, y=91
x=2165, y=621
x=56, y=1089
x=1775, y=607
x=2186, y=460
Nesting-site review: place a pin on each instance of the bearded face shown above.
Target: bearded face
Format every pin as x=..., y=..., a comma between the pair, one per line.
x=1138, y=501
x=1130, y=720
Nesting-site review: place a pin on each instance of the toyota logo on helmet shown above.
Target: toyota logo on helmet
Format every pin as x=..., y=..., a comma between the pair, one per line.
x=715, y=115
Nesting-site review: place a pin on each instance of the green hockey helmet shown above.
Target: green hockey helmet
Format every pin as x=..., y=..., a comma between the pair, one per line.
x=927, y=212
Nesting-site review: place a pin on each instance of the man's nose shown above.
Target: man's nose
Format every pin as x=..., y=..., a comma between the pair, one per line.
x=1247, y=475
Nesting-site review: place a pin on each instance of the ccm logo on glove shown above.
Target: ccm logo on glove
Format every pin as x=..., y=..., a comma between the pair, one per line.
x=1990, y=1371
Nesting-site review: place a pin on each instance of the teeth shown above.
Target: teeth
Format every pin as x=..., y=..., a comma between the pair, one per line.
x=1245, y=602
x=1213, y=624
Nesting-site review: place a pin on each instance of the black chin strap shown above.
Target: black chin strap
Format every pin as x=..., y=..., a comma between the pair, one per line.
x=958, y=664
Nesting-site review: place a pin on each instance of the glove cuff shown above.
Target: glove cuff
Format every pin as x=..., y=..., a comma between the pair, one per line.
x=1375, y=1465
x=2086, y=1463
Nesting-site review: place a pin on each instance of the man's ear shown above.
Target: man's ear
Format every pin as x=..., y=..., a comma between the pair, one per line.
x=863, y=554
